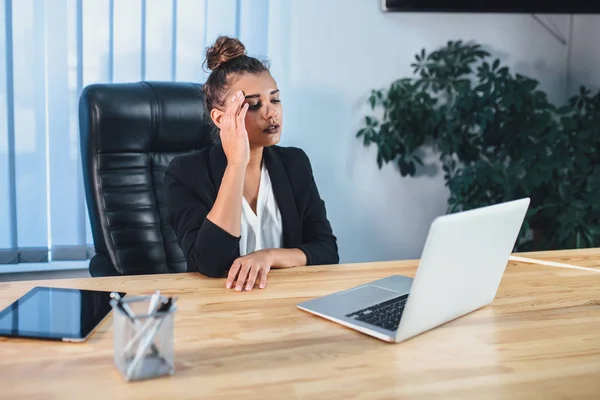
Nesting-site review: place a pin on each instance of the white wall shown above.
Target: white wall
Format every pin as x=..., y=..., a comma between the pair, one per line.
x=328, y=55
x=585, y=53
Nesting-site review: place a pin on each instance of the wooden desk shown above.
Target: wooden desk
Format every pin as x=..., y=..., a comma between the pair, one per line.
x=539, y=339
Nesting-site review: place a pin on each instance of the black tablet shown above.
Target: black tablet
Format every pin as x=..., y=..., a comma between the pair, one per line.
x=55, y=314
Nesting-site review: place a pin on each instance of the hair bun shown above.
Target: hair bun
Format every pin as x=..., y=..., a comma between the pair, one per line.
x=224, y=50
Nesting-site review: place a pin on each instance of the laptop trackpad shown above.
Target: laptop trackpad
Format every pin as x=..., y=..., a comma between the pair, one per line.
x=362, y=297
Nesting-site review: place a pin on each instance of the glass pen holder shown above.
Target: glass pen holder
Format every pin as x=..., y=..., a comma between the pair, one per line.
x=143, y=337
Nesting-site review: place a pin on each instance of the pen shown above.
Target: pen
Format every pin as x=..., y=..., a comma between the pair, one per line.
x=115, y=296
x=154, y=301
x=146, y=325
x=126, y=310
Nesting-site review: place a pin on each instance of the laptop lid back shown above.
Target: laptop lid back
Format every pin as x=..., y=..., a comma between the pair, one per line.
x=461, y=265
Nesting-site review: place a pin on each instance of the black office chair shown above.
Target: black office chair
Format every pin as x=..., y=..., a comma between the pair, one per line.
x=129, y=134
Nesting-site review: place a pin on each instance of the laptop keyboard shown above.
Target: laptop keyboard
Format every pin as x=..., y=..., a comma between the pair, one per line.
x=385, y=315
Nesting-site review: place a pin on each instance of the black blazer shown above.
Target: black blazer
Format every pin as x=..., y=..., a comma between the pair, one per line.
x=191, y=185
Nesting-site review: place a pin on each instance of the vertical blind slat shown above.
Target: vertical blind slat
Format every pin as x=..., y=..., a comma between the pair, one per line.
x=253, y=20
x=63, y=157
x=8, y=204
x=222, y=21
x=191, y=40
x=158, y=39
x=76, y=6
x=29, y=102
x=143, y=42
x=111, y=40
x=128, y=39
x=174, y=41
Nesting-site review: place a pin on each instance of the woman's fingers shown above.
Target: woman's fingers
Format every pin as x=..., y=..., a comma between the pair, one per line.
x=240, y=119
x=235, y=140
x=263, y=278
x=233, y=272
x=229, y=118
x=232, y=109
x=252, y=277
x=242, y=276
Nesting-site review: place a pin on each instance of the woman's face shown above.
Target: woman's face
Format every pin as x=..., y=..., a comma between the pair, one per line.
x=264, y=115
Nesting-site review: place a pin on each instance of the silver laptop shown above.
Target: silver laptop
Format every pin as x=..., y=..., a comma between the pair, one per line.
x=460, y=269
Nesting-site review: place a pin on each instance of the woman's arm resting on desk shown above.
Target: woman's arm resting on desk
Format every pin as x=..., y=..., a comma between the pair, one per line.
x=255, y=267
x=287, y=258
x=319, y=245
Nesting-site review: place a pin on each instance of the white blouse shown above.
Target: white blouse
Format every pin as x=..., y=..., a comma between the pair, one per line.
x=262, y=230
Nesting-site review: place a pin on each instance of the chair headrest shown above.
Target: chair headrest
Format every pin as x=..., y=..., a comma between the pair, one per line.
x=145, y=117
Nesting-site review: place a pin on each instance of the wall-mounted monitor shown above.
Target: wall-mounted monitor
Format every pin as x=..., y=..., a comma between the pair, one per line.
x=494, y=6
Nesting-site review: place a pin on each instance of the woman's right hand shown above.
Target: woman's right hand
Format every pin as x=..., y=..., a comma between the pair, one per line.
x=234, y=137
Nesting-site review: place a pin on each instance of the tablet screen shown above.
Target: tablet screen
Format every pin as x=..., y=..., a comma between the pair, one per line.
x=55, y=313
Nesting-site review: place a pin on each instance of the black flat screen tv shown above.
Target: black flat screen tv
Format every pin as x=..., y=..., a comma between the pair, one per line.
x=494, y=6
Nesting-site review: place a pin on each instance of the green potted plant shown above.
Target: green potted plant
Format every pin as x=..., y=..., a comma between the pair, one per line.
x=498, y=138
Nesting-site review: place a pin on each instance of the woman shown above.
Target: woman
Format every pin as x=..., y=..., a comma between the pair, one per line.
x=246, y=205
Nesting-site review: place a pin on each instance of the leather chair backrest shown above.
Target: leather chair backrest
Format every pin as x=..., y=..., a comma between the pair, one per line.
x=129, y=134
